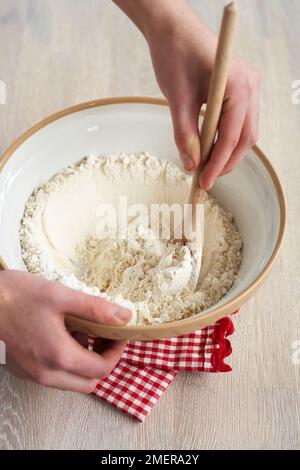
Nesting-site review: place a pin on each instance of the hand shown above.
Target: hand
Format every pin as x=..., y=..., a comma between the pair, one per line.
x=182, y=50
x=38, y=345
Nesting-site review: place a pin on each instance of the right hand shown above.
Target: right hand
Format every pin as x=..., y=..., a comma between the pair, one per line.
x=38, y=345
x=183, y=54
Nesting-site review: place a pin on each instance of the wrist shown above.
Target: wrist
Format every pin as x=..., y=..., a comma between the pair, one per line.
x=4, y=301
x=166, y=21
x=155, y=17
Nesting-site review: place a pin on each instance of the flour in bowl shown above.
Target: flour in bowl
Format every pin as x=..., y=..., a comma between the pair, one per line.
x=147, y=274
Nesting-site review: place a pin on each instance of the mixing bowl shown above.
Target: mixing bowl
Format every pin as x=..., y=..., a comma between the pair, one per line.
x=252, y=192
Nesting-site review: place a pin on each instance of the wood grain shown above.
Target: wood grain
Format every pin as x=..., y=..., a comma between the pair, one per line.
x=55, y=53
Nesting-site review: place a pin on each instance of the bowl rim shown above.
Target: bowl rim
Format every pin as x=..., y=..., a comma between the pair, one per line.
x=160, y=330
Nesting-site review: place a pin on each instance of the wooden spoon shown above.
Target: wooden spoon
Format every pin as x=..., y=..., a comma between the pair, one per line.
x=210, y=124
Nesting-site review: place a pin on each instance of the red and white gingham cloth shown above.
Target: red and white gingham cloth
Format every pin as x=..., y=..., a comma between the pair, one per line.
x=147, y=368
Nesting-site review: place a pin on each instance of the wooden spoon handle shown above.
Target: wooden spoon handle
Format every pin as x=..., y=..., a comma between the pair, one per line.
x=215, y=95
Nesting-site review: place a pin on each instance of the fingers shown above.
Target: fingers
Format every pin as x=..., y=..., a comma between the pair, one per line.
x=63, y=380
x=78, y=360
x=90, y=307
x=238, y=127
x=111, y=351
x=81, y=338
x=249, y=135
x=186, y=132
x=69, y=356
x=229, y=132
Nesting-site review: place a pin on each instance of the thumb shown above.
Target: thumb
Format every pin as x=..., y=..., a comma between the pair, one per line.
x=186, y=134
x=91, y=307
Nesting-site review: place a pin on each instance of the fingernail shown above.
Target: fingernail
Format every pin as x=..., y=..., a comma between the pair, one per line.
x=206, y=186
x=203, y=183
x=187, y=161
x=193, y=148
x=122, y=315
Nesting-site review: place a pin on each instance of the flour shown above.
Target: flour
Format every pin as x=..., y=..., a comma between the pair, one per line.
x=150, y=276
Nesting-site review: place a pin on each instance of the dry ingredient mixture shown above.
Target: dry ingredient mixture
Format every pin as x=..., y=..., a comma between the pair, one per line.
x=150, y=276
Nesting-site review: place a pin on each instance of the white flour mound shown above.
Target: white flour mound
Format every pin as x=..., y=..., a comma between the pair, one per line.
x=150, y=276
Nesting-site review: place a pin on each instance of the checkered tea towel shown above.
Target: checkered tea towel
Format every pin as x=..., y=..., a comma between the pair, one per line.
x=147, y=368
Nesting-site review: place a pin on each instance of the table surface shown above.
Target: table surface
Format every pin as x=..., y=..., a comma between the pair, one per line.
x=55, y=53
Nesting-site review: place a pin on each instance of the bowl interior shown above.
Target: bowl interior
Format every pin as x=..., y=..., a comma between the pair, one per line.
x=248, y=192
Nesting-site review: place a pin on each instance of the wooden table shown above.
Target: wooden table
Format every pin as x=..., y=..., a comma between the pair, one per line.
x=55, y=53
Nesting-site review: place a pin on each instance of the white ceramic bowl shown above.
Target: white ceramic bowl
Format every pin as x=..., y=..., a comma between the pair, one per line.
x=252, y=192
